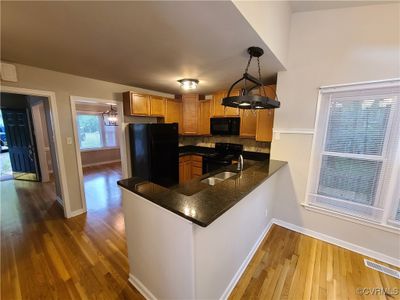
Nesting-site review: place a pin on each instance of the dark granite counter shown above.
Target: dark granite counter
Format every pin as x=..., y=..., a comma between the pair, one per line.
x=201, y=203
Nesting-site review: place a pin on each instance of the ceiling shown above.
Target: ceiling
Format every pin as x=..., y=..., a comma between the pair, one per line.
x=144, y=44
x=300, y=5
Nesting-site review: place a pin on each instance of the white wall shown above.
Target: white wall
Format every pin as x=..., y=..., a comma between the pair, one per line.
x=271, y=21
x=331, y=47
x=66, y=85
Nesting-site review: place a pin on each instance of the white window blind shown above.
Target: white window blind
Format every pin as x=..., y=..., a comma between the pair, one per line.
x=355, y=146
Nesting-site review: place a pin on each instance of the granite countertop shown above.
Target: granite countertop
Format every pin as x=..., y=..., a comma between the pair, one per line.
x=201, y=203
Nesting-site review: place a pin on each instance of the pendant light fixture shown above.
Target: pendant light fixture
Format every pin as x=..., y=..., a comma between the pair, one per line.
x=188, y=83
x=252, y=94
x=110, y=117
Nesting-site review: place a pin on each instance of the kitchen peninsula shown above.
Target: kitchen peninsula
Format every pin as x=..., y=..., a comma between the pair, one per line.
x=193, y=240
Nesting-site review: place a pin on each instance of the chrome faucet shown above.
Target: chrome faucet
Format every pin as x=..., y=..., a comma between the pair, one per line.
x=240, y=163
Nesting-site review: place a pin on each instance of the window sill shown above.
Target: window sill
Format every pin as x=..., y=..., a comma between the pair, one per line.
x=98, y=149
x=353, y=219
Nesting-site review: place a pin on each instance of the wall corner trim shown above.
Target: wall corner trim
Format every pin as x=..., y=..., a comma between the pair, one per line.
x=141, y=288
x=76, y=213
x=245, y=263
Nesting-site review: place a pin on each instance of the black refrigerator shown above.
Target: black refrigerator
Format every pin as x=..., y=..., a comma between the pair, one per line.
x=154, y=152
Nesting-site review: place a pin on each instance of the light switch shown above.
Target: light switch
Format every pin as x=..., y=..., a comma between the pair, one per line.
x=69, y=140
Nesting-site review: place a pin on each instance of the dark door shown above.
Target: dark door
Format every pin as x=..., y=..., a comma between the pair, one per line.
x=21, y=146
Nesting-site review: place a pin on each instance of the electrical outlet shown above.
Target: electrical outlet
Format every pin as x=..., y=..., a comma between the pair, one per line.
x=266, y=212
x=69, y=140
x=277, y=136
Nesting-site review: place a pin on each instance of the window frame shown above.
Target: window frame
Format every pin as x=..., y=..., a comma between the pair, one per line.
x=385, y=199
x=102, y=133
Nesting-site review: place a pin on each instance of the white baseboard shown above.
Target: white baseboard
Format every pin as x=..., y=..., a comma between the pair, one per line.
x=76, y=213
x=332, y=240
x=245, y=263
x=101, y=163
x=141, y=287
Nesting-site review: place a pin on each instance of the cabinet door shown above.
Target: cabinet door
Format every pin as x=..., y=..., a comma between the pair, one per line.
x=248, y=123
x=190, y=112
x=181, y=172
x=231, y=111
x=218, y=109
x=140, y=105
x=157, y=106
x=187, y=171
x=204, y=120
x=173, y=112
x=265, y=118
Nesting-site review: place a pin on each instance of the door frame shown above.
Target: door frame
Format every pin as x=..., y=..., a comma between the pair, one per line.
x=121, y=135
x=64, y=201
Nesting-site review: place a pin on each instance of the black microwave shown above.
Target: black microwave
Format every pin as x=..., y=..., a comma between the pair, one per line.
x=225, y=126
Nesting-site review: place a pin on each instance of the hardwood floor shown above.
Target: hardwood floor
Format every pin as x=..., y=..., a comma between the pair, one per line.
x=289, y=265
x=44, y=256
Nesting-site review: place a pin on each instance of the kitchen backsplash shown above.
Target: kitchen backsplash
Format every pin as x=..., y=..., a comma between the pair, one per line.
x=248, y=144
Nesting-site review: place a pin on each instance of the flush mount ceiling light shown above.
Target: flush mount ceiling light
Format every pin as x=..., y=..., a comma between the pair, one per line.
x=110, y=117
x=253, y=96
x=188, y=84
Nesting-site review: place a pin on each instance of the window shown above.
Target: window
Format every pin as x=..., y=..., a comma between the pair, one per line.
x=355, y=148
x=93, y=134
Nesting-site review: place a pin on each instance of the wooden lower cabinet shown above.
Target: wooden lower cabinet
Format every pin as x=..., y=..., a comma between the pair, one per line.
x=190, y=166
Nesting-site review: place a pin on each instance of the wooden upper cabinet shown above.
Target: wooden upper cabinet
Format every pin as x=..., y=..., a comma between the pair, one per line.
x=173, y=112
x=248, y=123
x=136, y=104
x=157, y=106
x=190, y=114
x=265, y=118
x=204, y=118
x=218, y=110
x=231, y=111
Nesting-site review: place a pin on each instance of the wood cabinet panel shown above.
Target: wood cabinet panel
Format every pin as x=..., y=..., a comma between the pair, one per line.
x=190, y=114
x=248, y=123
x=190, y=166
x=218, y=109
x=136, y=104
x=157, y=106
x=231, y=111
x=173, y=112
x=204, y=118
x=265, y=118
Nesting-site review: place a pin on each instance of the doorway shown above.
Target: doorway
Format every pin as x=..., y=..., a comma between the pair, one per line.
x=100, y=149
x=19, y=151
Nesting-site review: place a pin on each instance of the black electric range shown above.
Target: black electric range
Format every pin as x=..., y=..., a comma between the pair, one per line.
x=224, y=154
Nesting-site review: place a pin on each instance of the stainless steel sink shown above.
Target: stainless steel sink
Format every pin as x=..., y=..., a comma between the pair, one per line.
x=224, y=175
x=217, y=178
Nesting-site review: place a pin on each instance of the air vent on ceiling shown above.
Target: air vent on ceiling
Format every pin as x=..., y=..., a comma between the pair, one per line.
x=382, y=268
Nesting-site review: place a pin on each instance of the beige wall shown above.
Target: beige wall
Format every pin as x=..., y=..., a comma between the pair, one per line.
x=65, y=85
x=97, y=157
x=331, y=47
